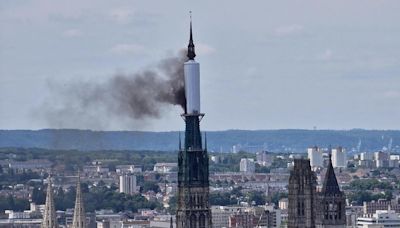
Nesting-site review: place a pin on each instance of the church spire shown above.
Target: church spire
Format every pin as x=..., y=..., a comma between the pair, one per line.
x=180, y=143
x=79, y=220
x=205, y=141
x=191, y=53
x=49, y=216
x=330, y=185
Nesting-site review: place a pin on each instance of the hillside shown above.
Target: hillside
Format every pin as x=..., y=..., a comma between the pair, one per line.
x=273, y=140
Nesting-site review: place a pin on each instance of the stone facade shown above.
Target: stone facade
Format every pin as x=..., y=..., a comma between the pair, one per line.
x=79, y=220
x=332, y=202
x=49, y=216
x=193, y=184
x=302, y=195
x=308, y=208
x=193, y=210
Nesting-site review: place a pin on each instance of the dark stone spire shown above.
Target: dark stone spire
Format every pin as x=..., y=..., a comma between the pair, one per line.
x=205, y=141
x=180, y=143
x=191, y=54
x=330, y=185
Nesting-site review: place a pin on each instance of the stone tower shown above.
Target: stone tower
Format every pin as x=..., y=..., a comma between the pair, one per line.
x=302, y=195
x=193, y=185
x=79, y=220
x=332, y=202
x=49, y=216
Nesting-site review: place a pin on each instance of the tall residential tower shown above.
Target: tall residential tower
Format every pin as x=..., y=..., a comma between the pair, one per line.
x=193, y=184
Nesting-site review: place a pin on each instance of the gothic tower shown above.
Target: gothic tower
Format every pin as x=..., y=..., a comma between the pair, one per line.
x=79, y=220
x=332, y=202
x=193, y=184
x=49, y=216
x=302, y=195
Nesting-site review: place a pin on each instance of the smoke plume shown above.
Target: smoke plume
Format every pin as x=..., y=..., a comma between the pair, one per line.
x=136, y=97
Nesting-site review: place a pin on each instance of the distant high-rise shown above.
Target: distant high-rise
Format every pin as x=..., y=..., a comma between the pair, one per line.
x=193, y=185
x=49, y=216
x=339, y=158
x=264, y=158
x=315, y=156
x=127, y=184
x=247, y=165
x=302, y=195
x=79, y=220
x=331, y=206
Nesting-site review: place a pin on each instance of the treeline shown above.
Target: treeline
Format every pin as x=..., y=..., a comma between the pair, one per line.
x=96, y=198
x=71, y=160
x=16, y=204
x=12, y=178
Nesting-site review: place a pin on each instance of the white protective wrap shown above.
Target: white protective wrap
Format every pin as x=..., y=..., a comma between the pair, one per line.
x=192, y=86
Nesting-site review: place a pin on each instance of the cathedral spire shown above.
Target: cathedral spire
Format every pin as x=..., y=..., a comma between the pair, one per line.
x=79, y=220
x=330, y=185
x=205, y=141
x=49, y=216
x=191, y=53
x=180, y=143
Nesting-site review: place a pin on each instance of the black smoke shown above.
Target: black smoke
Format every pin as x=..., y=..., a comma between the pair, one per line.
x=140, y=96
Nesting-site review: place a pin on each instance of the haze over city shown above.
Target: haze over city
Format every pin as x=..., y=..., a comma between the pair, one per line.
x=264, y=65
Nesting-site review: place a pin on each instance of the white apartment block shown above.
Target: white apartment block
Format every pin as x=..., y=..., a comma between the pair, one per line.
x=127, y=184
x=315, y=156
x=247, y=165
x=339, y=158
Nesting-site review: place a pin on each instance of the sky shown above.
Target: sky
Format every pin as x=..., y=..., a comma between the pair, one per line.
x=264, y=64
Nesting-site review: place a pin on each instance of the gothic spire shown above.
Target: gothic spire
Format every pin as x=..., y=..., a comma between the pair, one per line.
x=330, y=185
x=79, y=220
x=191, y=53
x=49, y=216
x=180, y=143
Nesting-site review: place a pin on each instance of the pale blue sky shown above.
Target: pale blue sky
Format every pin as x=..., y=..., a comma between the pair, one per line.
x=264, y=64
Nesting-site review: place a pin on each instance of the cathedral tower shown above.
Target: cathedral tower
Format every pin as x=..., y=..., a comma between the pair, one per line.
x=302, y=195
x=193, y=184
x=332, y=202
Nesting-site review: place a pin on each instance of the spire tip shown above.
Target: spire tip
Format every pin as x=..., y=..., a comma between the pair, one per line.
x=191, y=53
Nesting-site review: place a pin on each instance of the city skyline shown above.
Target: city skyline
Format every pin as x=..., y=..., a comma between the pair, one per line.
x=265, y=65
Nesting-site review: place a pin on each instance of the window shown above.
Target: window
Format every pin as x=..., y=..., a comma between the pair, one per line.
x=202, y=221
x=193, y=221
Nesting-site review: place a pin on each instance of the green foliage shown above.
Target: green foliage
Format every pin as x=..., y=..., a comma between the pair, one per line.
x=10, y=203
x=12, y=178
x=279, y=163
x=96, y=198
x=73, y=159
x=229, y=162
x=38, y=196
x=256, y=198
x=364, y=196
x=173, y=203
x=222, y=199
x=369, y=184
x=275, y=197
x=151, y=186
x=262, y=169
